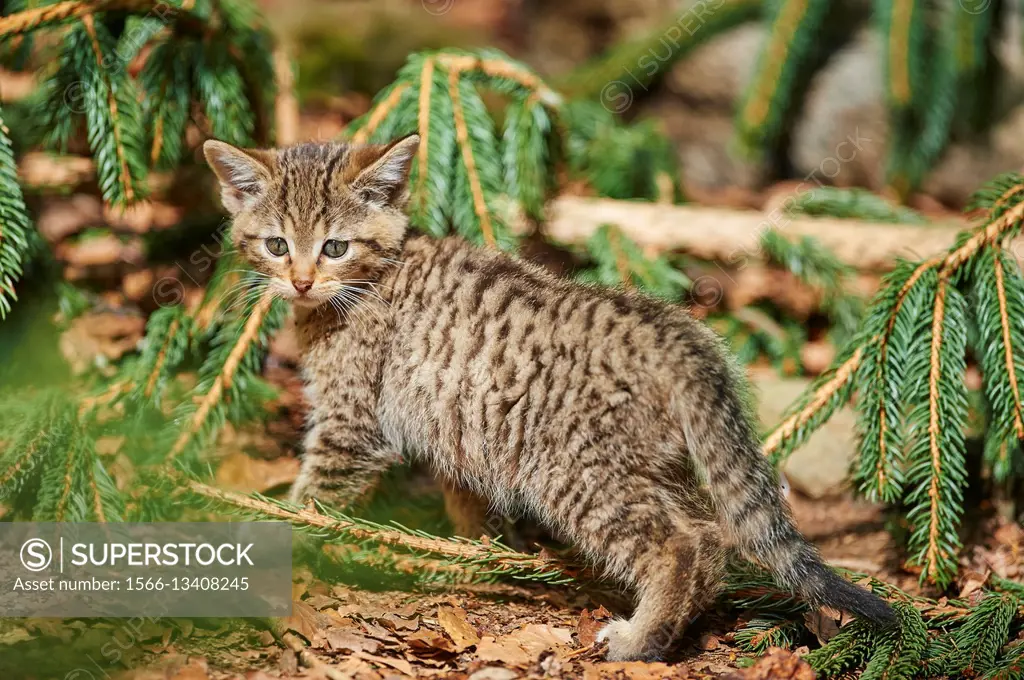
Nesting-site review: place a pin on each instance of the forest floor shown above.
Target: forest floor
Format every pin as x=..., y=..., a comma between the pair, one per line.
x=372, y=627
x=485, y=632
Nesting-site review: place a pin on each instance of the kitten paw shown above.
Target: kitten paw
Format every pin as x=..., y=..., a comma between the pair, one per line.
x=301, y=492
x=626, y=643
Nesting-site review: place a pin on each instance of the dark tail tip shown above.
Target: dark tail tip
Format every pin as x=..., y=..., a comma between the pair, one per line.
x=828, y=588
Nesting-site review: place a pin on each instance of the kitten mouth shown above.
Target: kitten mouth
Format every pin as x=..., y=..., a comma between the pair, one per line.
x=305, y=301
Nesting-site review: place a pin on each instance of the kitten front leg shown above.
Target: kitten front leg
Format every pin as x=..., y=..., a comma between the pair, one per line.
x=339, y=469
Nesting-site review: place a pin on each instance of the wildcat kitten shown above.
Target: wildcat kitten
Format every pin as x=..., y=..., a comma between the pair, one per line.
x=617, y=419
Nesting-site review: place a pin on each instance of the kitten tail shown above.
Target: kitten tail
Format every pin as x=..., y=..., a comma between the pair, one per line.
x=749, y=499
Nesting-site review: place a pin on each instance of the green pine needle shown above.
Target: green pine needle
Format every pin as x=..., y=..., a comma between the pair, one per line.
x=14, y=234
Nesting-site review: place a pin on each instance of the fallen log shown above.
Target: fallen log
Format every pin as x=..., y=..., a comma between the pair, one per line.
x=733, y=236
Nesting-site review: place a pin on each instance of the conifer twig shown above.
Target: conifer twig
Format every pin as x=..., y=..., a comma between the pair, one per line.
x=899, y=39
x=462, y=134
x=501, y=69
x=67, y=484
x=935, y=372
x=621, y=258
x=154, y=375
x=96, y=498
x=223, y=380
x=1011, y=368
x=779, y=44
x=423, y=120
x=379, y=113
x=31, y=19
x=30, y=451
x=122, y=160
x=785, y=429
x=311, y=517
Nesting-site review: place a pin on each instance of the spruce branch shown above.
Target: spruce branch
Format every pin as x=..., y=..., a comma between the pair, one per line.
x=469, y=160
x=899, y=650
x=31, y=19
x=854, y=203
x=819, y=269
x=789, y=43
x=328, y=523
x=993, y=232
x=620, y=262
x=113, y=117
x=1010, y=355
x=828, y=393
x=897, y=21
x=499, y=66
x=15, y=238
x=432, y=180
x=984, y=632
x=239, y=349
x=166, y=80
x=849, y=649
x=998, y=292
x=762, y=633
x=379, y=112
x=1010, y=667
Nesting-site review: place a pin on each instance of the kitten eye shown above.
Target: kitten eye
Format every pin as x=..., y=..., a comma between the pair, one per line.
x=277, y=246
x=335, y=249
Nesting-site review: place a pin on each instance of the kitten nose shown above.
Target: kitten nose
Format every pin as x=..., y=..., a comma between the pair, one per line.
x=302, y=286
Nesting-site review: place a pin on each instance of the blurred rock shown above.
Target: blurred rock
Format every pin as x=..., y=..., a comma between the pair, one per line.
x=819, y=467
x=840, y=136
x=709, y=82
x=717, y=73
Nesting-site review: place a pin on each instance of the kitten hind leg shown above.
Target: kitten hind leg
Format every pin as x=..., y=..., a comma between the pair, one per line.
x=675, y=580
x=466, y=510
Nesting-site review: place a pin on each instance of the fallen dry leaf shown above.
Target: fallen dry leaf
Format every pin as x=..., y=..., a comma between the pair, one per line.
x=399, y=623
x=398, y=664
x=777, y=664
x=522, y=647
x=709, y=642
x=426, y=642
x=453, y=620
x=320, y=601
x=239, y=472
x=195, y=670
x=504, y=652
x=306, y=621
x=633, y=670
x=823, y=622
x=590, y=624
x=494, y=673
x=344, y=640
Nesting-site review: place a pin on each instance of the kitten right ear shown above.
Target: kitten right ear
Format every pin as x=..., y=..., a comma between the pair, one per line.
x=243, y=174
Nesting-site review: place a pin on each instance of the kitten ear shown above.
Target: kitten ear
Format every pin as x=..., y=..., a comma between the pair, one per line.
x=384, y=181
x=243, y=174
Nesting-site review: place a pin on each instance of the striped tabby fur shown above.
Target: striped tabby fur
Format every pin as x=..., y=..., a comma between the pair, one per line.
x=617, y=420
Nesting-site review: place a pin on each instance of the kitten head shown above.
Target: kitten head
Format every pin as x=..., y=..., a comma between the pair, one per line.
x=316, y=219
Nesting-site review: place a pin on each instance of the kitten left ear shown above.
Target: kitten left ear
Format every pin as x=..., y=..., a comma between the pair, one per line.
x=243, y=174
x=384, y=181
